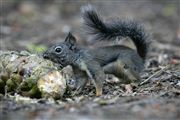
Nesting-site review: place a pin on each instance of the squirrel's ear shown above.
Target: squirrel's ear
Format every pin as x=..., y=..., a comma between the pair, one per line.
x=70, y=41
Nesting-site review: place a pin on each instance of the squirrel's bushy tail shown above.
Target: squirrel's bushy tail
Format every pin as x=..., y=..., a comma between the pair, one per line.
x=101, y=30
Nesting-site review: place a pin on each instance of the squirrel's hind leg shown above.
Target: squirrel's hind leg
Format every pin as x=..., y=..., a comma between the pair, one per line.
x=123, y=70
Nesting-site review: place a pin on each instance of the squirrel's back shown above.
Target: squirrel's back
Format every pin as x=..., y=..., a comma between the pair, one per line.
x=108, y=54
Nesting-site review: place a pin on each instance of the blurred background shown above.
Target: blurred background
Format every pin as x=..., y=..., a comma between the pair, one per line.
x=34, y=25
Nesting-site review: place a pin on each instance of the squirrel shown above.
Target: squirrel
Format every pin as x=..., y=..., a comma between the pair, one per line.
x=94, y=63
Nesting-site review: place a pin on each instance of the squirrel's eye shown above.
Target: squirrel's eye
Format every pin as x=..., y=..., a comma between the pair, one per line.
x=58, y=49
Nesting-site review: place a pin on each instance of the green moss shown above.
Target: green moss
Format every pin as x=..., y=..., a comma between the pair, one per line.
x=4, y=76
x=2, y=85
x=31, y=81
x=36, y=48
x=16, y=78
x=11, y=86
x=34, y=92
x=169, y=10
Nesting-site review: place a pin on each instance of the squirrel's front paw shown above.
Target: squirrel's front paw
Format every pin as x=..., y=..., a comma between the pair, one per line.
x=98, y=91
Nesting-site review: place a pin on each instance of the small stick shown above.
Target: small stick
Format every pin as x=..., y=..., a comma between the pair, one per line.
x=173, y=74
x=156, y=73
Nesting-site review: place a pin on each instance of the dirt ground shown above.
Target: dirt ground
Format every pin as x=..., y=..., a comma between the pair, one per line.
x=28, y=25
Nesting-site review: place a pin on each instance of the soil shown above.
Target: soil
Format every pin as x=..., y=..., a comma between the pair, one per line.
x=28, y=25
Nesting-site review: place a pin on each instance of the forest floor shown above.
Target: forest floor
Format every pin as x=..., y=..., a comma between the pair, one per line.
x=25, y=26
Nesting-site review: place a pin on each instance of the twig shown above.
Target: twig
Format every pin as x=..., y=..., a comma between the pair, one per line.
x=156, y=73
x=173, y=74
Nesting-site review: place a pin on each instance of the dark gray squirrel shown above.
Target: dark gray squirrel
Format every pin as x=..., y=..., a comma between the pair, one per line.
x=93, y=64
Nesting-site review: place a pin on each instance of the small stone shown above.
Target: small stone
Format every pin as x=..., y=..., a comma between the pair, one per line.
x=178, y=83
x=52, y=85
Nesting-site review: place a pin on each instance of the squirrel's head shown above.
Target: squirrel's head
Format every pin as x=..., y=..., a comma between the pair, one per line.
x=62, y=53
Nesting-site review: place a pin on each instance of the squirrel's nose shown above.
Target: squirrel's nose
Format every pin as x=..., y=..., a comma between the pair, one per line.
x=45, y=55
